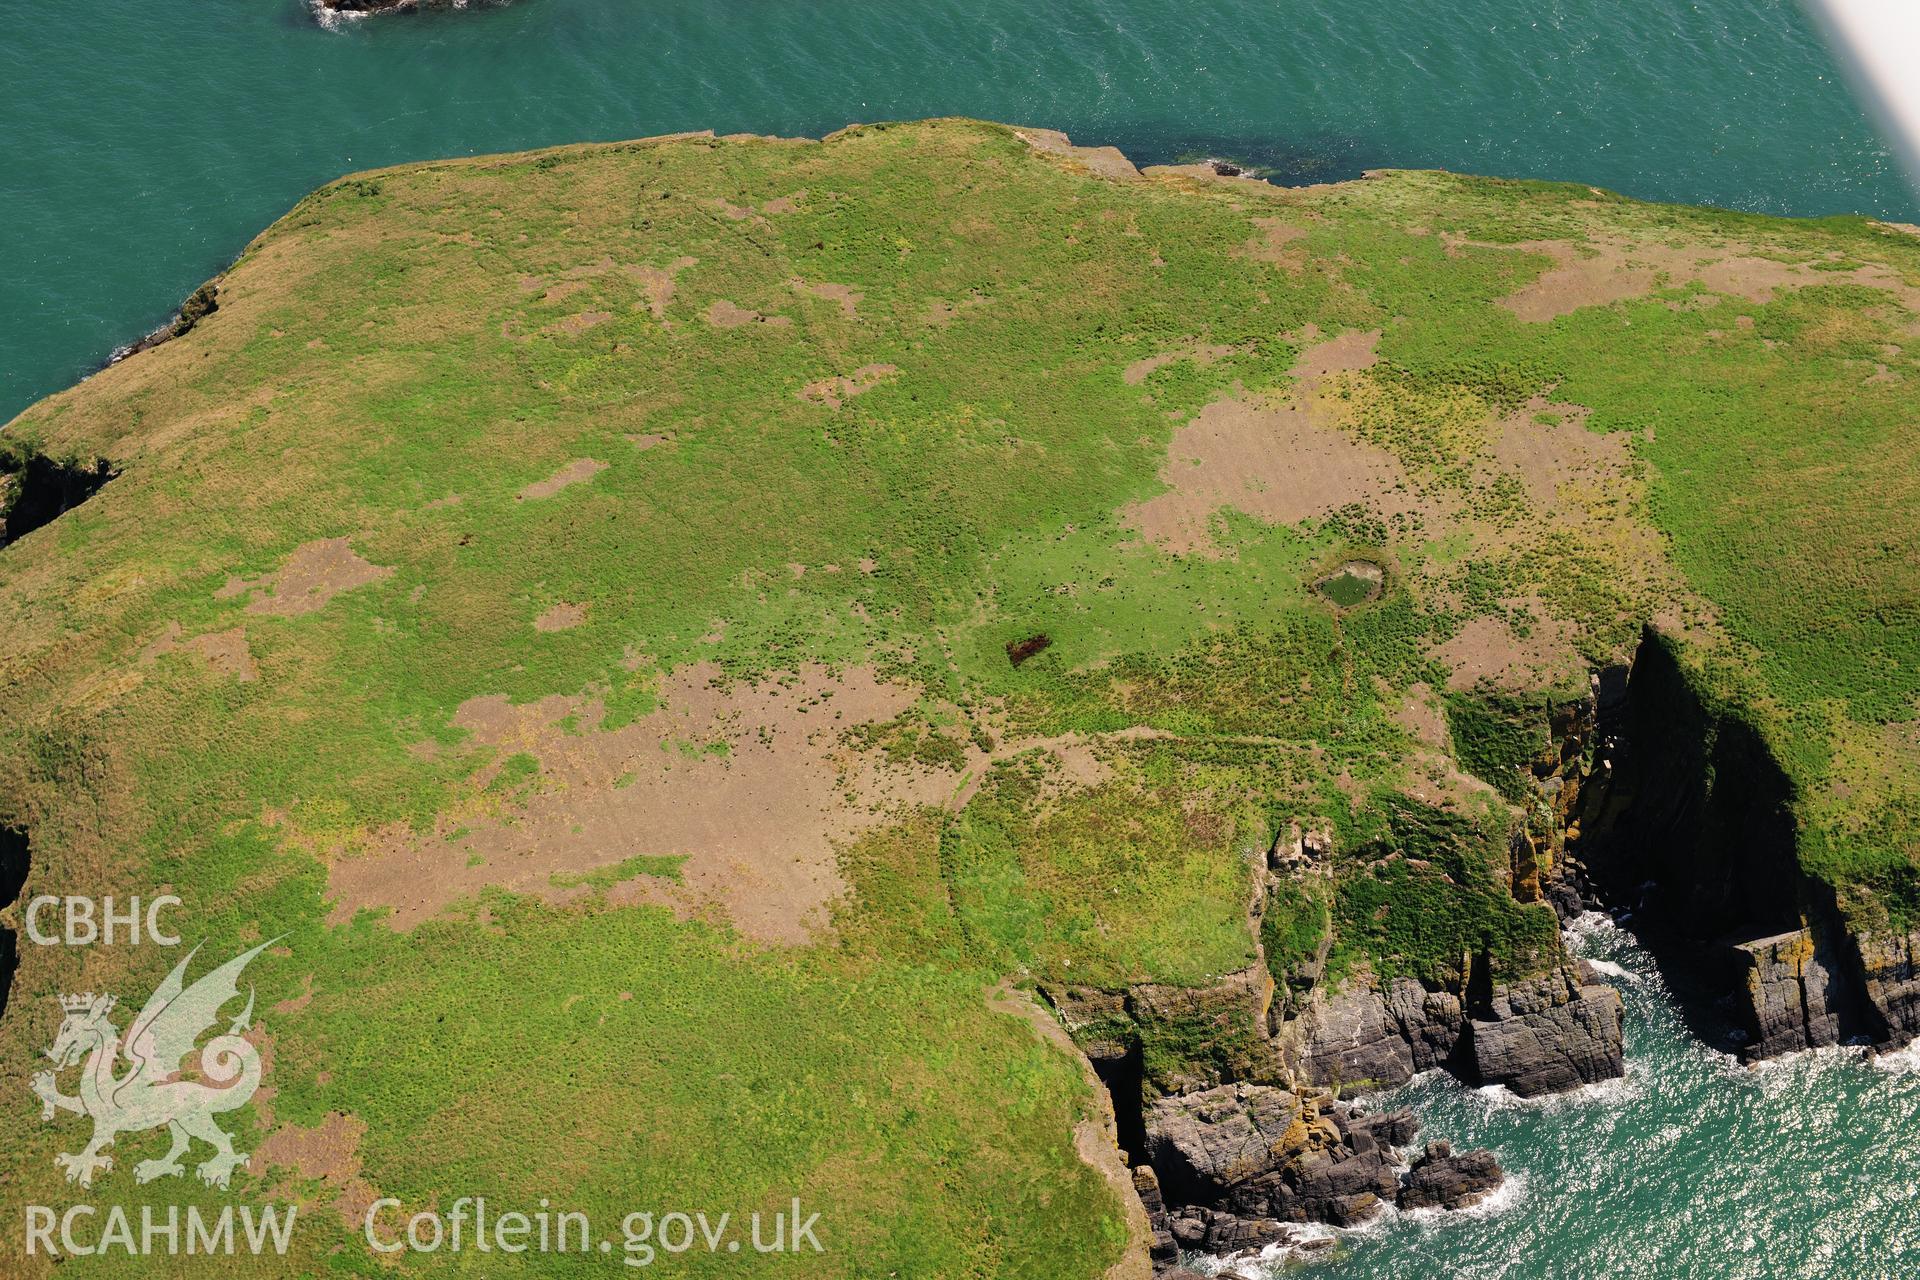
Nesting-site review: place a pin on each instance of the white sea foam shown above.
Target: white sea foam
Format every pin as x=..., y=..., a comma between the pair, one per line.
x=334, y=19
x=1589, y=928
x=1609, y=969
x=1275, y=1259
x=1612, y=1093
x=1504, y=1197
x=1904, y=1061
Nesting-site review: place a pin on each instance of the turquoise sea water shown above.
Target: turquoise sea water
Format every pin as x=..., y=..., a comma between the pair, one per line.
x=142, y=142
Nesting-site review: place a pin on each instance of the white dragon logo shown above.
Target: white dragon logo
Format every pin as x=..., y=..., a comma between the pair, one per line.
x=151, y=1093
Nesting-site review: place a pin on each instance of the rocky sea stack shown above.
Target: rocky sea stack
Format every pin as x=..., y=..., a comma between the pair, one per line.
x=1234, y=1168
x=333, y=9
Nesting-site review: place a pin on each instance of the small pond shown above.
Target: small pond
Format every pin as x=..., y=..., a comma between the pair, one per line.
x=1355, y=582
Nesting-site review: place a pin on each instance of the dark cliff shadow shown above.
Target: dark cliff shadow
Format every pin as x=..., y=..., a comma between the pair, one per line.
x=14, y=865
x=1697, y=850
x=36, y=490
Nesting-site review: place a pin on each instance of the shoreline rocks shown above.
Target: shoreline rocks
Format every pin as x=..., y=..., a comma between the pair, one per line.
x=1440, y=1179
x=200, y=304
x=1233, y=1168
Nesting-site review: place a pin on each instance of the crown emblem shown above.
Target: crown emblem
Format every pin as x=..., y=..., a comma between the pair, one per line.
x=82, y=1003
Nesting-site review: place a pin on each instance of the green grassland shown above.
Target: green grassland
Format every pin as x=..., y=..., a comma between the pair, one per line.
x=403, y=354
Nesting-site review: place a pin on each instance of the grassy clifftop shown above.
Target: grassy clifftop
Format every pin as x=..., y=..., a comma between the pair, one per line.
x=664, y=628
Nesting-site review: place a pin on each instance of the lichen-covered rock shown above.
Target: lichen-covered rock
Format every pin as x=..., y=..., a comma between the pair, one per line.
x=1794, y=993
x=200, y=304
x=1890, y=979
x=1260, y=1153
x=1549, y=1033
x=1184, y=1038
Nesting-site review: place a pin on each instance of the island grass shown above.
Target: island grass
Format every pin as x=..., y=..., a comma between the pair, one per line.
x=399, y=358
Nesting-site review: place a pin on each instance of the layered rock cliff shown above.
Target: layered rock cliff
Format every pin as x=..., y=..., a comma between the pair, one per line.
x=1232, y=1167
x=1542, y=1035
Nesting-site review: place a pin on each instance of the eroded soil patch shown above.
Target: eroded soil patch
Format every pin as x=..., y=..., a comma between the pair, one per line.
x=753, y=785
x=833, y=392
x=1281, y=462
x=328, y=1153
x=1488, y=651
x=1616, y=269
x=578, y=471
x=315, y=573
x=750, y=783
x=224, y=652
x=561, y=617
x=722, y=314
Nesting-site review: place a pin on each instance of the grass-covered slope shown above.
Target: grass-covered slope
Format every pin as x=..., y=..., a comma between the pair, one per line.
x=574, y=598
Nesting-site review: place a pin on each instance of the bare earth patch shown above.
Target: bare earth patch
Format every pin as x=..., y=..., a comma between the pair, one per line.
x=328, y=1153
x=1615, y=269
x=746, y=782
x=1137, y=372
x=573, y=326
x=1346, y=352
x=1281, y=463
x=833, y=392
x=1488, y=651
x=1433, y=771
x=1577, y=279
x=561, y=617
x=1420, y=716
x=225, y=652
x=846, y=295
x=658, y=284
x=1549, y=455
x=578, y=471
x=1274, y=244
x=754, y=785
x=315, y=573
x=722, y=314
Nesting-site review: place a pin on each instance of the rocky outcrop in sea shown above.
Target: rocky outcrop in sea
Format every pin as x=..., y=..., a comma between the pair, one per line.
x=1239, y=1167
x=333, y=10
